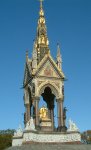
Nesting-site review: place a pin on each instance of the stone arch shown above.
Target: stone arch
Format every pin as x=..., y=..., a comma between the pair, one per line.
x=52, y=86
x=50, y=93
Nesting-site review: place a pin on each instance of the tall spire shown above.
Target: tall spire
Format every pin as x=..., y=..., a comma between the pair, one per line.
x=41, y=41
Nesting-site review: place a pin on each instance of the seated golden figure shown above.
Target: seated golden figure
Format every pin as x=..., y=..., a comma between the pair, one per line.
x=43, y=113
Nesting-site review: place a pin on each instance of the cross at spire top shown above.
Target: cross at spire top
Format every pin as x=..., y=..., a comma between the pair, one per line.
x=41, y=2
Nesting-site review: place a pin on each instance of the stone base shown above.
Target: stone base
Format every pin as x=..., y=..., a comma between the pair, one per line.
x=44, y=137
x=17, y=141
x=47, y=129
x=44, y=146
x=46, y=125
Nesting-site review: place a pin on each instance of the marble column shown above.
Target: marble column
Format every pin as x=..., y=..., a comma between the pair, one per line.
x=27, y=112
x=52, y=118
x=60, y=113
x=51, y=114
x=36, y=99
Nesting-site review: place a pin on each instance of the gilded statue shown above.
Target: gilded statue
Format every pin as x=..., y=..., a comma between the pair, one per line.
x=43, y=113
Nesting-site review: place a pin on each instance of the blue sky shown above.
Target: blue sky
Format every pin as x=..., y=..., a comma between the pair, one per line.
x=69, y=23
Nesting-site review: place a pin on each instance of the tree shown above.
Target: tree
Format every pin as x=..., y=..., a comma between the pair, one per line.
x=6, y=138
x=86, y=137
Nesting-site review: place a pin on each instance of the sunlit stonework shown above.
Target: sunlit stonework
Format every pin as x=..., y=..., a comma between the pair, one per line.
x=44, y=78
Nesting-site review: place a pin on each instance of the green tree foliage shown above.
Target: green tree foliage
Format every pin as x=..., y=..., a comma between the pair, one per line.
x=86, y=137
x=6, y=138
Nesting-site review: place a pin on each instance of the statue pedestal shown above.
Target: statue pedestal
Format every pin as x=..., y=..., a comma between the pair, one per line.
x=30, y=135
x=46, y=124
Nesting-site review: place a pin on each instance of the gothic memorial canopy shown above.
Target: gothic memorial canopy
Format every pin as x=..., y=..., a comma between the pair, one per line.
x=44, y=94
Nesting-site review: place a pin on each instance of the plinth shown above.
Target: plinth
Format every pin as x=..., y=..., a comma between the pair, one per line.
x=46, y=124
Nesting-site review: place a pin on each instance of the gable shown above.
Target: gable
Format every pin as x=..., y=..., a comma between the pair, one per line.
x=48, y=70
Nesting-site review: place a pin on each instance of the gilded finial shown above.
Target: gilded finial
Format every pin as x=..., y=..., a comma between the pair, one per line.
x=41, y=13
x=41, y=1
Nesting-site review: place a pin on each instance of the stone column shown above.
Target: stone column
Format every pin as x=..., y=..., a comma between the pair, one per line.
x=36, y=99
x=27, y=112
x=25, y=119
x=52, y=118
x=51, y=114
x=60, y=113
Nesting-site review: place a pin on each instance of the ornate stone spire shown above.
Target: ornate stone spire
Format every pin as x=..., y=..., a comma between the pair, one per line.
x=41, y=41
x=59, y=58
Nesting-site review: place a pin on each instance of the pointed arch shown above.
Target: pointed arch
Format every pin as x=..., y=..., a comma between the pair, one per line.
x=52, y=86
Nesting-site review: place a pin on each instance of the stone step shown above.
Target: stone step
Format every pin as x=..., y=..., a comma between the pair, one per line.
x=51, y=147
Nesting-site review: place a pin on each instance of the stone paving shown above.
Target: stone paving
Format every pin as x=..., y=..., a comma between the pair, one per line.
x=51, y=147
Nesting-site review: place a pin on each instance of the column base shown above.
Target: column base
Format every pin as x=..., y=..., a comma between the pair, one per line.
x=37, y=127
x=62, y=129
